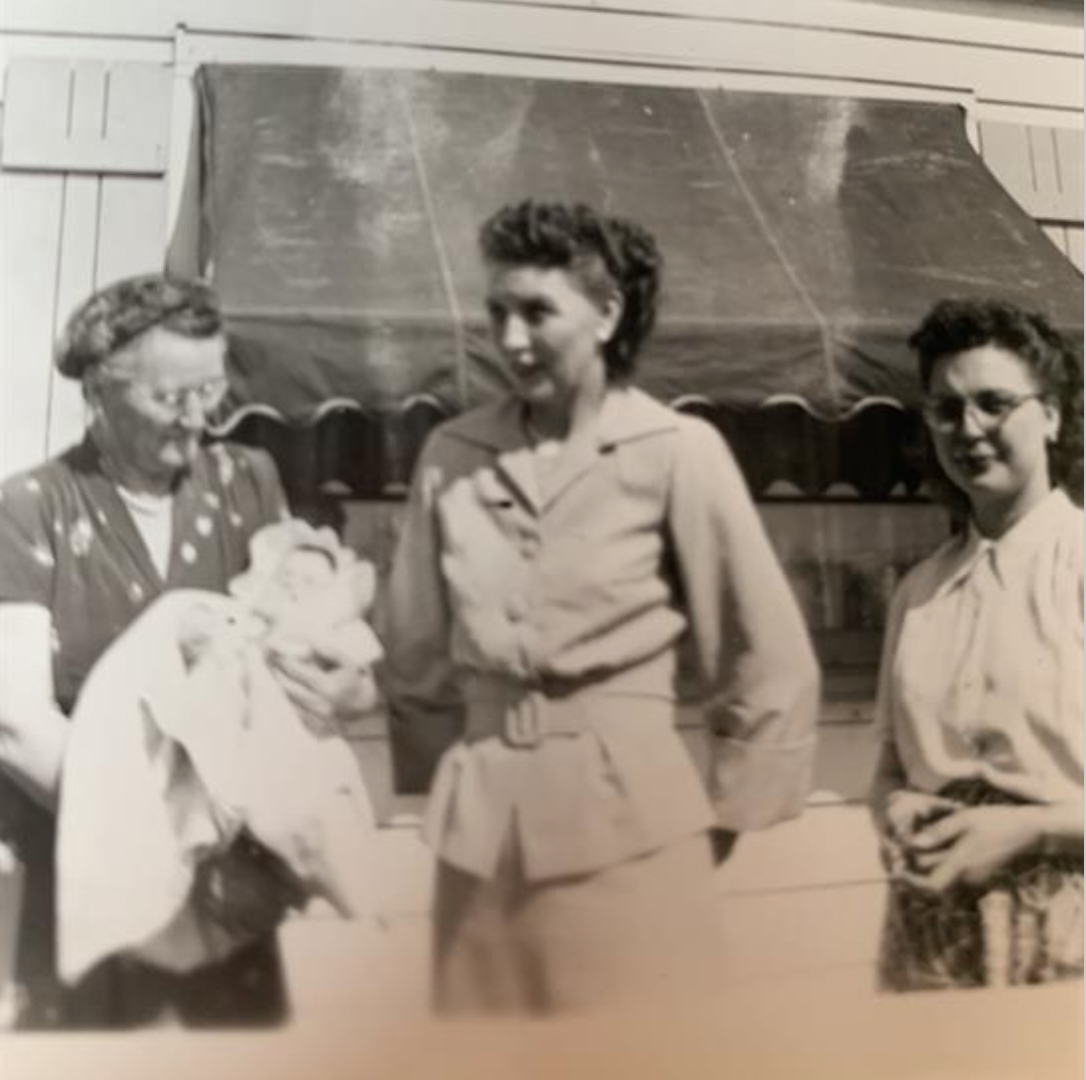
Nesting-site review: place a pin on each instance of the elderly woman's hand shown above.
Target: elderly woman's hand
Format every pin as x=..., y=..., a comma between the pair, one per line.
x=326, y=684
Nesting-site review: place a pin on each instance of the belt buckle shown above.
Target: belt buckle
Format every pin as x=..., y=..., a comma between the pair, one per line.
x=524, y=722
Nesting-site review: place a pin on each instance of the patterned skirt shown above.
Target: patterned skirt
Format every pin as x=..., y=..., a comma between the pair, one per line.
x=1024, y=926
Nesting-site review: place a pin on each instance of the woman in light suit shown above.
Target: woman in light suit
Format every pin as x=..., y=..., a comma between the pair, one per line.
x=560, y=544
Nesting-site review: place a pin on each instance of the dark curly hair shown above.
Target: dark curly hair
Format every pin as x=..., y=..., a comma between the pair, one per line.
x=118, y=314
x=606, y=253
x=954, y=326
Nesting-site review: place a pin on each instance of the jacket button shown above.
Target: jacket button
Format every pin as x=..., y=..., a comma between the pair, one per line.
x=529, y=546
x=516, y=607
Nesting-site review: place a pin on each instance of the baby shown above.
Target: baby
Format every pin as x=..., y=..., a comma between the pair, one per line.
x=303, y=598
x=186, y=738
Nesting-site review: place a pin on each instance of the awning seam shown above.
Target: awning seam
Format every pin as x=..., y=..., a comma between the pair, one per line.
x=771, y=239
x=443, y=263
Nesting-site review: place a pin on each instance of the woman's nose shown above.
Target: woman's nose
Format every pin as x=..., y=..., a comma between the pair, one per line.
x=192, y=414
x=513, y=334
x=972, y=427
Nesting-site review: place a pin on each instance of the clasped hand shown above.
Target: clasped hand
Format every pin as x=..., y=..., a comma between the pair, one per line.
x=326, y=684
x=935, y=844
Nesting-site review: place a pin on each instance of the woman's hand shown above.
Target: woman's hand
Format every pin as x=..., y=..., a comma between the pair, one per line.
x=326, y=684
x=901, y=813
x=969, y=846
x=908, y=811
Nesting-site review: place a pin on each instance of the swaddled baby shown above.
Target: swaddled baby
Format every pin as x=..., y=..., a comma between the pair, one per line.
x=185, y=740
x=303, y=598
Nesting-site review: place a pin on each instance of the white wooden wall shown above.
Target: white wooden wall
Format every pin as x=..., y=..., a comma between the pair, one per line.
x=1042, y=168
x=82, y=202
x=97, y=110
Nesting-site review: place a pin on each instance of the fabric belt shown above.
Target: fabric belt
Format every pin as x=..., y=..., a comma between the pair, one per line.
x=524, y=713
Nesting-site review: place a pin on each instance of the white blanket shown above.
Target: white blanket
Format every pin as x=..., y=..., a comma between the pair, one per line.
x=165, y=765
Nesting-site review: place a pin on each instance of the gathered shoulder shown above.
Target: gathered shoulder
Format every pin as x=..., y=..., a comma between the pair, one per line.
x=1068, y=540
x=930, y=572
x=1070, y=521
x=696, y=435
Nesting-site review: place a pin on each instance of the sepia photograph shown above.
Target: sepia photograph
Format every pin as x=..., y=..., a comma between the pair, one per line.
x=541, y=538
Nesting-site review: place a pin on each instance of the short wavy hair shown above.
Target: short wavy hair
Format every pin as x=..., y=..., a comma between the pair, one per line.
x=117, y=315
x=605, y=253
x=954, y=326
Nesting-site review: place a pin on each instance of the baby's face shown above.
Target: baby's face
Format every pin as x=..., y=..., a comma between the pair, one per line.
x=304, y=571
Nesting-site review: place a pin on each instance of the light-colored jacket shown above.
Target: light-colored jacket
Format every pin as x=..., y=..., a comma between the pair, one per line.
x=541, y=635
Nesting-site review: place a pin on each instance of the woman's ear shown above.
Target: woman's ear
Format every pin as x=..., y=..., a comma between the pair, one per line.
x=92, y=395
x=1052, y=419
x=611, y=314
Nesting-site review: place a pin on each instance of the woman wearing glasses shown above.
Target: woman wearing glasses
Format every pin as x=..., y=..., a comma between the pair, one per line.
x=87, y=541
x=978, y=795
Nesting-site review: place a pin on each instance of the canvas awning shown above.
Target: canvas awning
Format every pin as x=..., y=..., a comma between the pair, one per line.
x=804, y=236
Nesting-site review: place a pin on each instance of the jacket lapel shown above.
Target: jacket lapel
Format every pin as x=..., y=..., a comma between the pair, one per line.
x=577, y=458
x=518, y=469
x=497, y=428
x=627, y=414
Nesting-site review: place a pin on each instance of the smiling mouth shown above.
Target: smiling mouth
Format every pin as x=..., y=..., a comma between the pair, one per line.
x=974, y=463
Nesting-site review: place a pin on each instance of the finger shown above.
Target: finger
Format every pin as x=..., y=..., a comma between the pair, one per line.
x=900, y=823
x=892, y=857
x=936, y=883
x=920, y=882
x=943, y=803
x=928, y=861
x=944, y=874
x=304, y=697
x=942, y=832
x=303, y=671
x=332, y=654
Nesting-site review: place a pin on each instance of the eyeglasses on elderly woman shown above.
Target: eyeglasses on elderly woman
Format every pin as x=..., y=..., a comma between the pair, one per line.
x=206, y=397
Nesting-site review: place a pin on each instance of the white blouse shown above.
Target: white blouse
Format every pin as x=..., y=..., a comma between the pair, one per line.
x=982, y=673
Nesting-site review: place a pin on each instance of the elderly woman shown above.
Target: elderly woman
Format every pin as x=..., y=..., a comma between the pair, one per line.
x=87, y=541
x=979, y=791
x=559, y=545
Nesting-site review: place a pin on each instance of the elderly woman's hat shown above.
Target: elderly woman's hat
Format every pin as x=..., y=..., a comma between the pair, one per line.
x=118, y=314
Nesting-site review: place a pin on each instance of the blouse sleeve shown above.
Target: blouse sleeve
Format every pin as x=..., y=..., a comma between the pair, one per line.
x=760, y=673
x=414, y=623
